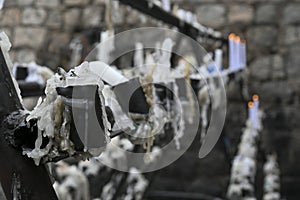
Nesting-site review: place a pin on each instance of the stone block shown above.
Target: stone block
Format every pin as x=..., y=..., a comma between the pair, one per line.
x=71, y=18
x=262, y=36
x=273, y=92
x=98, y=2
x=292, y=34
x=25, y=2
x=260, y=69
x=278, y=71
x=92, y=16
x=48, y=3
x=58, y=41
x=10, y=17
x=291, y=13
x=213, y=15
x=241, y=13
x=267, y=68
x=266, y=13
x=133, y=16
x=293, y=60
x=24, y=56
x=117, y=13
x=32, y=16
x=54, y=19
x=29, y=37
x=76, y=2
x=10, y=3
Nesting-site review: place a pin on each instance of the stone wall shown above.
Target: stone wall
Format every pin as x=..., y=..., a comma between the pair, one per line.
x=42, y=29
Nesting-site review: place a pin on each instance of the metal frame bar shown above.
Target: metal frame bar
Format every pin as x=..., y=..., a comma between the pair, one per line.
x=180, y=195
x=166, y=17
x=20, y=177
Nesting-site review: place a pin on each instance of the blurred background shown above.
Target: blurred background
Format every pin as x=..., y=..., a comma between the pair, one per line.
x=44, y=31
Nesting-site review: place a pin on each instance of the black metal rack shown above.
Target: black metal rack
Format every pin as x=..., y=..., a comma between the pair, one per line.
x=23, y=169
x=158, y=13
x=20, y=177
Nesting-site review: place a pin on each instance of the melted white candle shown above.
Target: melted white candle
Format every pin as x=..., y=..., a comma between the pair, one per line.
x=243, y=58
x=139, y=57
x=163, y=69
x=166, y=5
x=1, y=4
x=218, y=58
x=232, y=63
x=105, y=50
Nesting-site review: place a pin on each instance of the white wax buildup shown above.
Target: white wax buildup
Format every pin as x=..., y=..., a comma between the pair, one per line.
x=72, y=178
x=137, y=184
x=107, y=73
x=122, y=121
x=50, y=110
x=163, y=68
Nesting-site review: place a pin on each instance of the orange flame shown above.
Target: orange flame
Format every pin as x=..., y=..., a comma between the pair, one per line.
x=237, y=39
x=255, y=97
x=232, y=36
x=250, y=104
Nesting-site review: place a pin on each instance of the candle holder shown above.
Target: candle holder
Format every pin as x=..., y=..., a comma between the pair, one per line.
x=195, y=83
x=84, y=125
x=131, y=97
x=85, y=108
x=164, y=91
x=182, y=87
x=21, y=72
x=167, y=136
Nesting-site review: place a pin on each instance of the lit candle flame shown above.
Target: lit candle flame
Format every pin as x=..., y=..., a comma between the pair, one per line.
x=232, y=36
x=237, y=39
x=250, y=104
x=255, y=97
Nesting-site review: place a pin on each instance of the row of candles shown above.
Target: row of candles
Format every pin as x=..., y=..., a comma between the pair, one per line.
x=244, y=164
x=237, y=53
x=271, y=179
x=253, y=111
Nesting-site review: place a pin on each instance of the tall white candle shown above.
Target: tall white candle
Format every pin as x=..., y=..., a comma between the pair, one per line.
x=218, y=58
x=243, y=59
x=256, y=101
x=237, y=53
x=189, y=17
x=1, y=4
x=251, y=111
x=166, y=5
x=106, y=47
x=256, y=107
x=231, y=51
x=139, y=57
